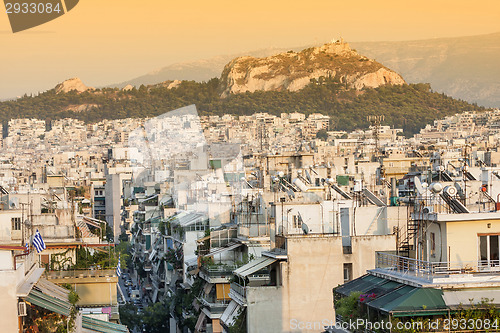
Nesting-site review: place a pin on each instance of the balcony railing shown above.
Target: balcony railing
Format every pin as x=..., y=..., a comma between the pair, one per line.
x=82, y=273
x=239, y=289
x=216, y=270
x=215, y=306
x=429, y=270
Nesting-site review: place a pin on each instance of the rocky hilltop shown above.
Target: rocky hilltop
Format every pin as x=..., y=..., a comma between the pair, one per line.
x=294, y=70
x=70, y=85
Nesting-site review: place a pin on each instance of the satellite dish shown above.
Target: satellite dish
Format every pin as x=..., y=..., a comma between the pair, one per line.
x=305, y=228
x=281, y=173
x=440, y=168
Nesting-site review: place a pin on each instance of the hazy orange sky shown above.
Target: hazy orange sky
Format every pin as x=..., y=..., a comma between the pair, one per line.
x=109, y=41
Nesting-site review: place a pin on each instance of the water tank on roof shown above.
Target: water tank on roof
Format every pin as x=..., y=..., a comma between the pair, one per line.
x=300, y=184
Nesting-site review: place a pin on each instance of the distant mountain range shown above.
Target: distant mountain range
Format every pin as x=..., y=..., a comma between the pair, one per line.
x=463, y=67
x=198, y=70
x=332, y=79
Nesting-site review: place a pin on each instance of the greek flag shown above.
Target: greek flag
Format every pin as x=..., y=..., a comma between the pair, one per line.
x=27, y=247
x=38, y=242
x=118, y=269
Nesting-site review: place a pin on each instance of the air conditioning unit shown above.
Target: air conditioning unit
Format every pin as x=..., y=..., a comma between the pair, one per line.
x=428, y=209
x=22, y=309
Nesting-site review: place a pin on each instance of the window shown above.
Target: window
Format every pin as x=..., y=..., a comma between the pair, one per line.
x=297, y=223
x=347, y=272
x=489, y=250
x=16, y=223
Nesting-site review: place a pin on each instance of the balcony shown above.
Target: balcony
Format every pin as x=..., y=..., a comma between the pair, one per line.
x=255, y=231
x=148, y=285
x=238, y=293
x=139, y=248
x=216, y=307
x=148, y=266
x=217, y=273
x=425, y=272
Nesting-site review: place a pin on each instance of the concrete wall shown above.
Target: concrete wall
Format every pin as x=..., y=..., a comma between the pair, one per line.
x=462, y=238
x=315, y=265
x=96, y=293
x=264, y=306
x=113, y=203
x=93, y=291
x=6, y=232
x=8, y=301
x=9, y=281
x=319, y=217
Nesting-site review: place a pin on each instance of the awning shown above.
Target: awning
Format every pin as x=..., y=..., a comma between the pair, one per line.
x=149, y=198
x=33, y=277
x=386, y=302
x=208, y=287
x=152, y=255
x=155, y=294
x=230, y=313
x=91, y=221
x=157, y=265
x=362, y=284
x=191, y=261
x=254, y=266
x=199, y=322
x=219, y=250
x=48, y=302
x=52, y=289
x=417, y=302
x=185, y=219
x=102, y=326
x=383, y=287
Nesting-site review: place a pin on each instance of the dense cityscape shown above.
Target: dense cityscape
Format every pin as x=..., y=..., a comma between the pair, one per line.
x=246, y=224
x=249, y=167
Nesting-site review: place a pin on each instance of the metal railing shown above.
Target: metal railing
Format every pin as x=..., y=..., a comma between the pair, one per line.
x=219, y=270
x=255, y=231
x=239, y=289
x=213, y=304
x=81, y=273
x=429, y=270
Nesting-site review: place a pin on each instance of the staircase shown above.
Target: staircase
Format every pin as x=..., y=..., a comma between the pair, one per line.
x=406, y=237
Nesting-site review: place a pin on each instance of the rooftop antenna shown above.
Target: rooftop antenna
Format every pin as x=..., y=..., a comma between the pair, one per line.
x=375, y=121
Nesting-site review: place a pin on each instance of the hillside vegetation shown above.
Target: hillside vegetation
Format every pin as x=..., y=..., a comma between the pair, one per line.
x=407, y=106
